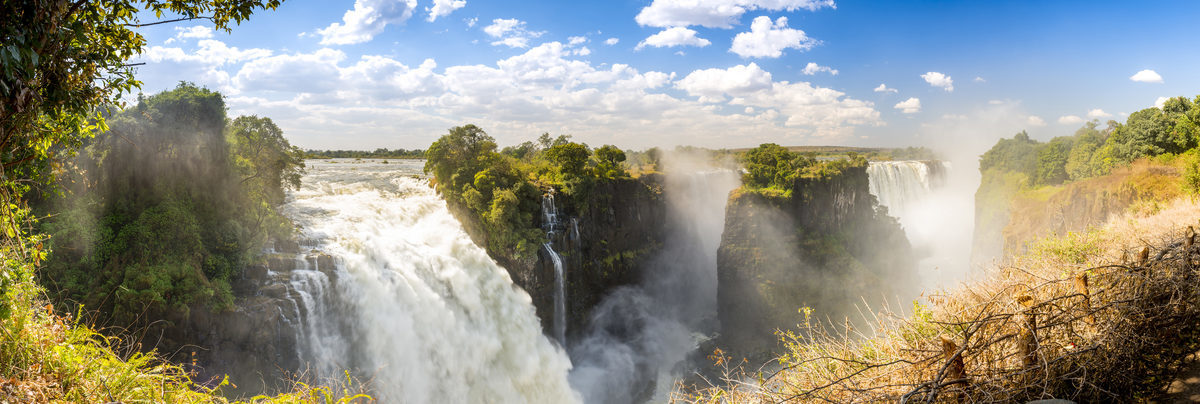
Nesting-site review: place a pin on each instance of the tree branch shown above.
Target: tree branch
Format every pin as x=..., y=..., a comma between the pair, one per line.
x=169, y=21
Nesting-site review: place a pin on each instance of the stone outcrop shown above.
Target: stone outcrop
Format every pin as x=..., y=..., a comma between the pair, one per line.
x=826, y=247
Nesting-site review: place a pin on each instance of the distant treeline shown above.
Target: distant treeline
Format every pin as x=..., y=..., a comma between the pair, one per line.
x=381, y=153
x=1166, y=133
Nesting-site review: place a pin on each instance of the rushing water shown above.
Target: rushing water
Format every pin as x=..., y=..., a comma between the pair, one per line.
x=412, y=305
x=937, y=215
x=550, y=219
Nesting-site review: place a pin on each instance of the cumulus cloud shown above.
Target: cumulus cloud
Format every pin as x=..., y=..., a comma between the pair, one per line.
x=1146, y=76
x=980, y=80
x=883, y=88
x=715, y=13
x=367, y=19
x=1070, y=120
x=510, y=32
x=769, y=39
x=611, y=41
x=442, y=8
x=1097, y=114
x=1035, y=121
x=940, y=80
x=471, y=22
x=193, y=32
x=208, y=52
x=813, y=68
x=1160, y=101
x=825, y=109
x=909, y=106
x=576, y=40
x=674, y=36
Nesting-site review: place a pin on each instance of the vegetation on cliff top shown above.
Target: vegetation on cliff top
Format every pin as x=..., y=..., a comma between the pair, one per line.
x=772, y=170
x=503, y=188
x=1173, y=130
x=166, y=207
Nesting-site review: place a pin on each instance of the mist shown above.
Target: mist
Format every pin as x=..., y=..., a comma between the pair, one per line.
x=639, y=334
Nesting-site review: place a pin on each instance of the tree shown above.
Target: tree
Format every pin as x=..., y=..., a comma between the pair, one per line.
x=266, y=162
x=1052, y=160
x=458, y=156
x=571, y=159
x=608, y=162
x=63, y=61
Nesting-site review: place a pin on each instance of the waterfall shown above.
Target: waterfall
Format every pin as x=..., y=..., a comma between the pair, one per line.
x=899, y=184
x=410, y=304
x=550, y=223
x=935, y=210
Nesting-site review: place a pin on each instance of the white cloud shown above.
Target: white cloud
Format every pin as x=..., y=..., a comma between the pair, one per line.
x=1035, y=121
x=909, y=106
x=1097, y=114
x=883, y=88
x=209, y=52
x=813, y=68
x=576, y=40
x=1146, y=76
x=471, y=22
x=582, y=51
x=611, y=41
x=442, y=8
x=980, y=80
x=300, y=73
x=510, y=32
x=937, y=79
x=802, y=104
x=715, y=13
x=674, y=36
x=367, y=19
x=767, y=39
x=1160, y=101
x=1070, y=120
x=193, y=32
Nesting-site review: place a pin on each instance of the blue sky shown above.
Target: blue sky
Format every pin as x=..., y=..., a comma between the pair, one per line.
x=714, y=73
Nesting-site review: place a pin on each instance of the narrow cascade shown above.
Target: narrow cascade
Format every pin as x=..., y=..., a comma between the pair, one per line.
x=550, y=223
x=405, y=301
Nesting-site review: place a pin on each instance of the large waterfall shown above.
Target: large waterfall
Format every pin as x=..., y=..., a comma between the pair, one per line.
x=551, y=224
x=936, y=211
x=900, y=184
x=412, y=305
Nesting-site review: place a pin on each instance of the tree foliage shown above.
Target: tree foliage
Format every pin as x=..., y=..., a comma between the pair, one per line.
x=168, y=206
x=64, y=60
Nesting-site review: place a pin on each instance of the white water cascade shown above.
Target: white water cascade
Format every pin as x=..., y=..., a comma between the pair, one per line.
x=937, y=216
x=550, y=224
x=416, y=308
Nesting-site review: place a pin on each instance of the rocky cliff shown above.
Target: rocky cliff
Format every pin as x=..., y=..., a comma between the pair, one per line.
x=826, y=247
x=603, y=241
x=1009, y=214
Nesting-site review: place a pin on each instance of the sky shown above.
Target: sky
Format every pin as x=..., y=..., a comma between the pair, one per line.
x=366, y=74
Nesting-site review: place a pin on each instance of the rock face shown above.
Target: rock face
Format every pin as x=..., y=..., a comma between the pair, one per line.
x=619, y=228
x=826, y=247
x=1008, y=216
x=256, y=344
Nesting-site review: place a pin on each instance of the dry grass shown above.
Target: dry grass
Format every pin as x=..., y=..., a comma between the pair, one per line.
x=1081, y=317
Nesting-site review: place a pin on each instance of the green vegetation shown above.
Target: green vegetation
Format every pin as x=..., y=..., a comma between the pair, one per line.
x=772, y=170
x=169, y=206
x=503, y=188
x=381, y=153
x=1091, y=152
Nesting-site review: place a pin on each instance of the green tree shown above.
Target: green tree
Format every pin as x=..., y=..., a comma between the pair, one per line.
x=456, y=157
x=571, y=159
x=1052, y=161
x=608, y=162
x=64, y=60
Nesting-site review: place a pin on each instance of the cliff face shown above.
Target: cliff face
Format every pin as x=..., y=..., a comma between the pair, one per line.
x=1009, y=216
x=823, y=248
x=619, y=227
